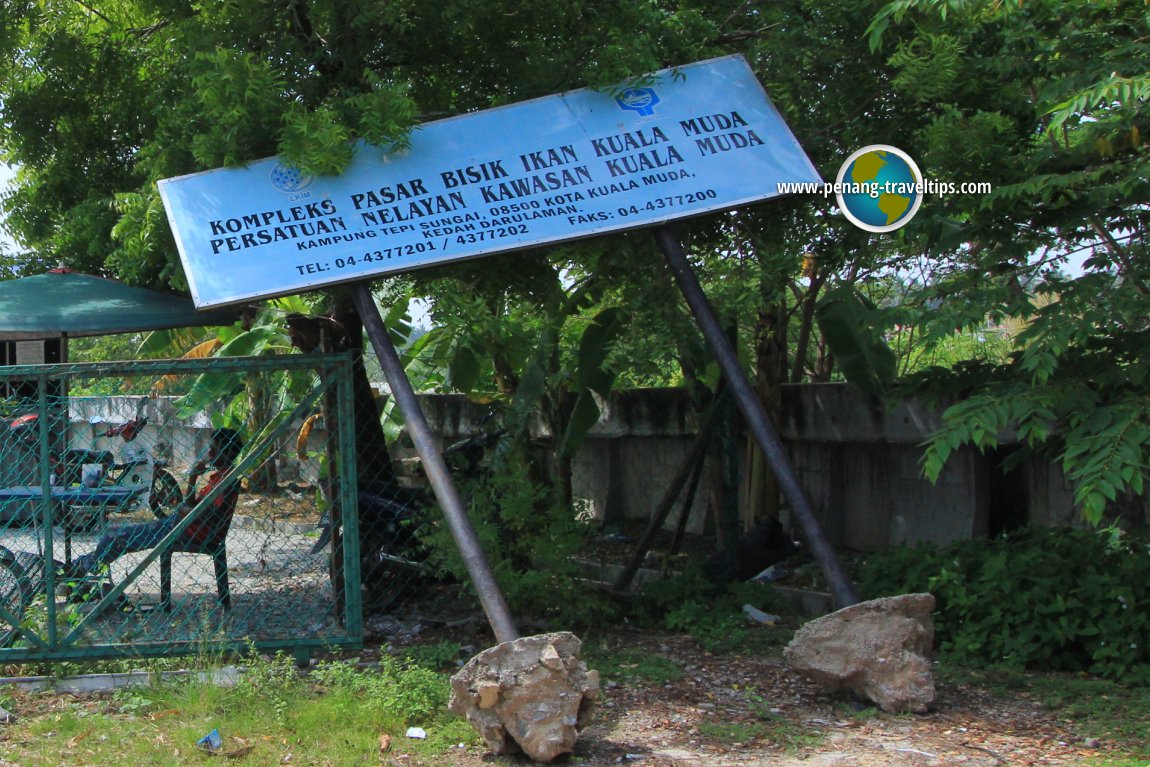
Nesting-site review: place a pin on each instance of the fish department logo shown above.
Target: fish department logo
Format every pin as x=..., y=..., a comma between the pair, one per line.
x=879, y=188
x=641, y=100
x=290, y=180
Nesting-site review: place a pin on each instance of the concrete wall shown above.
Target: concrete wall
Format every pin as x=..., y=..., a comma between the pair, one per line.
x=168, y=436
x=858, y=458
x=179, y=441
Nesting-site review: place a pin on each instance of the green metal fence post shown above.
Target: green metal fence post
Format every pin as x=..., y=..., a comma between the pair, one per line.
x=349, y=508
x=48, y=508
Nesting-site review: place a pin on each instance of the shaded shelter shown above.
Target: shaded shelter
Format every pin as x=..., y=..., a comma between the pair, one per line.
x=63, y=303
x=38, y=314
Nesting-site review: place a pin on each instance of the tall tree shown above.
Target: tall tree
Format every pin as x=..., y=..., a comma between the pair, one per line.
x=1048, y=101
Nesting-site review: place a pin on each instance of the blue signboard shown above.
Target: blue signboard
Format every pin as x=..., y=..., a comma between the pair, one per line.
x=698, y=138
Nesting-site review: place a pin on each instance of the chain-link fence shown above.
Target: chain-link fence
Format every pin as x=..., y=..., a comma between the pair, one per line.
x=216, y=509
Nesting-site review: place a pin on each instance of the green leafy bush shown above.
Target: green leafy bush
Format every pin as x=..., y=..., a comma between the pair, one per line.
x=688, y=603
x=1043, y=599
x=402, y=690
x=530, y=541
x=437, y=656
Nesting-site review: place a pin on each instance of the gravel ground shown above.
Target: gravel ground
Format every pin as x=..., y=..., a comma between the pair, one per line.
x=280, y=589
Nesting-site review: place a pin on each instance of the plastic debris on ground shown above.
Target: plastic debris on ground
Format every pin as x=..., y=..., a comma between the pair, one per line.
x=210, y=742
x=759, y=616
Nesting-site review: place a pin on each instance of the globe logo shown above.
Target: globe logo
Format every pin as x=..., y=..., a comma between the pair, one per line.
x=879, y=188
x=288, y=179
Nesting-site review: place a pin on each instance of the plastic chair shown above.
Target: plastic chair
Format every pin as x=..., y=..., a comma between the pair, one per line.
x=216, y=549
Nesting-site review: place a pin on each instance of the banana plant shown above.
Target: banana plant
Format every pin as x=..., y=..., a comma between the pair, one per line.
x=545, y=365
x=847, y=320
x=257, y=401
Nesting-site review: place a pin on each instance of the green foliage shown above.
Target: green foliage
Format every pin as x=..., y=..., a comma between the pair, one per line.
x=238, y=94
x=530, y=541
x=629, y=666
x=847, y=321
x=274, y=715
x=1054, y=258
x=440, y=656
x=1045, y=599
x=271, y=681
x=688, y=603
x=39, y=616
x=920, y=357
x=1114, y=93
x=1103, y=442
x=316, y=142
x=407, y=692
x=593, y=377
x=928, y=66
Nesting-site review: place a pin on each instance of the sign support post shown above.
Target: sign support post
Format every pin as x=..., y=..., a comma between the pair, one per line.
x=490, y=596
x=842, y=590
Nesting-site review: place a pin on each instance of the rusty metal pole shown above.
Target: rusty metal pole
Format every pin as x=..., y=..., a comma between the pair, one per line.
x=490, y=596
x=842, y=590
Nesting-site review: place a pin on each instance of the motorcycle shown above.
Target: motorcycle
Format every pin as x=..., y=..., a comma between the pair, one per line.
x=99, y=468
x=392, y=562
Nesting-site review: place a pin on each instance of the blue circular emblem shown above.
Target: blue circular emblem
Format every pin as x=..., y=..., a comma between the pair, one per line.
x=641, y=100
x=288, y=179
x=879, y=188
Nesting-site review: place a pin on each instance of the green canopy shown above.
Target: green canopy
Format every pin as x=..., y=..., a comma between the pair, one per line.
x=66, y=303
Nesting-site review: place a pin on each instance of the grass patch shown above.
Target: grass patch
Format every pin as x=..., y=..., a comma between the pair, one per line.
x=334, y=716
x=631, y=666
x=689, y=604
x=775, y=731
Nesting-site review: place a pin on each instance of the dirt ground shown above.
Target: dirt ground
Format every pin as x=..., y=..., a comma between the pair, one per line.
x=725, y=710
x=755, y=711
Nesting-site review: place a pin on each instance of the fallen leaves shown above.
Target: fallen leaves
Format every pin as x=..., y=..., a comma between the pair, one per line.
x=78, y=739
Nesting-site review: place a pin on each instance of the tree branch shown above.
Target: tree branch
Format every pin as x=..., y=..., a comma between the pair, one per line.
x=1116, y=251
x=741, y=34
x=94, y=12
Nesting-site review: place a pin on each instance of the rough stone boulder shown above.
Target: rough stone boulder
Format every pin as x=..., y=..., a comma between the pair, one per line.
x=879, y=649
x=528, y=694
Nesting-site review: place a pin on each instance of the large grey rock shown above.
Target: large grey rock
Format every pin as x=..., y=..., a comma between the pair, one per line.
x=529, y=694
x=879, y=649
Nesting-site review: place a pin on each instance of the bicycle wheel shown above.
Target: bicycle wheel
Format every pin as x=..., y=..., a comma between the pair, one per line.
x=15, y=594
x=166, y=494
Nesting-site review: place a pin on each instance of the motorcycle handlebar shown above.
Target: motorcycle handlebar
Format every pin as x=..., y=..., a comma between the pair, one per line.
x=127, y=430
